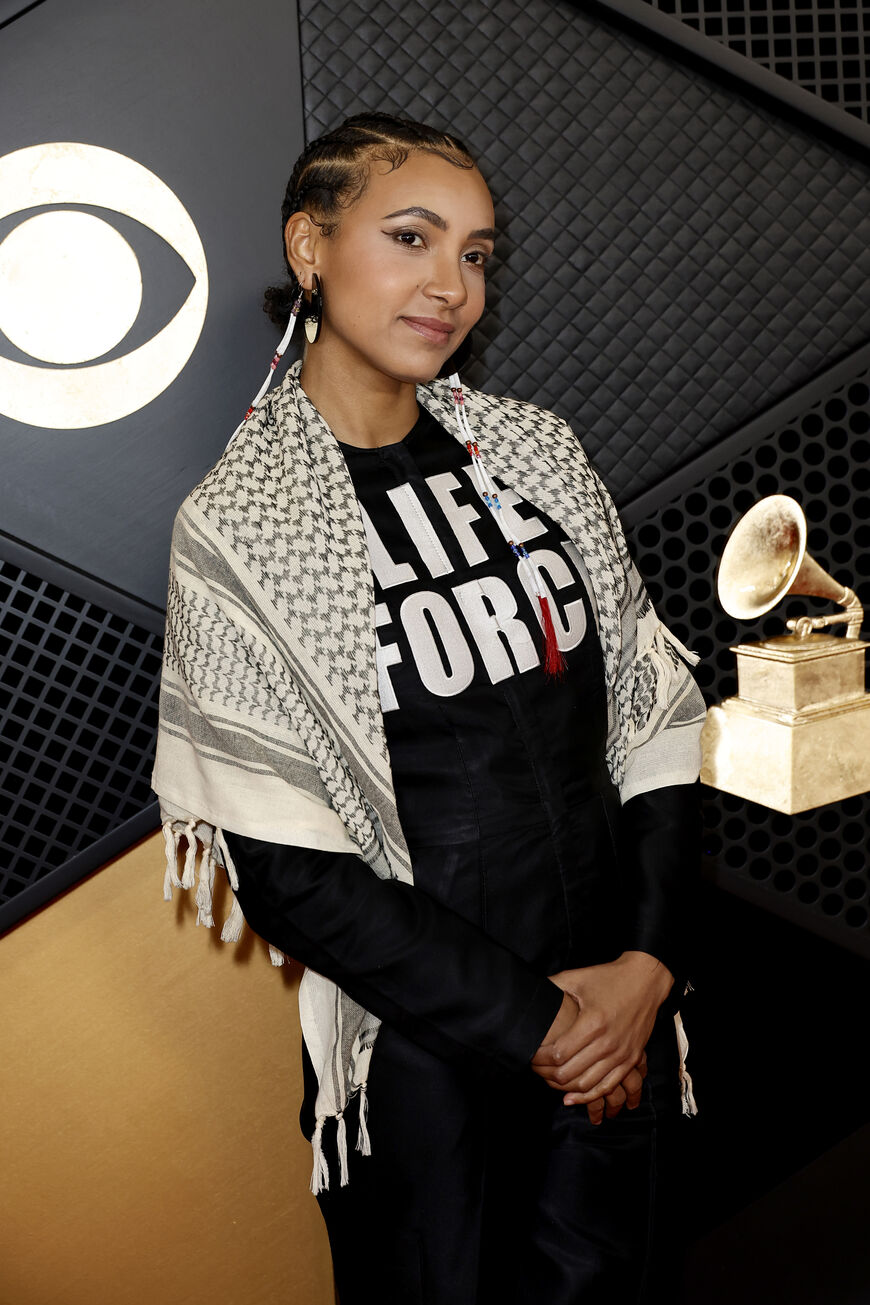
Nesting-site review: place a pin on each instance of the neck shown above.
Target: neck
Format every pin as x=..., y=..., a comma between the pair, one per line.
x=359, y=404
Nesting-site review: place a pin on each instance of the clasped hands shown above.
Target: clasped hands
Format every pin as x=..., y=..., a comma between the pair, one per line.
x=594, y=1050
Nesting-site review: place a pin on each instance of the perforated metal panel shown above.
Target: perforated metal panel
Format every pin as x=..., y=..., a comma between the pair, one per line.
x=78, y=713
x=822, y=45
x=813, y=866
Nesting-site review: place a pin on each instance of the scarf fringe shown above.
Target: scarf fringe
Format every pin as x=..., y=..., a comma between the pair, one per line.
x=233, y=925
x=209, y=846
x=187, y=877
x=687, y=1096
x=320, y=1168
x=363, y=1142
x=205, y=887
x=320, y=1172
x=341, y=1143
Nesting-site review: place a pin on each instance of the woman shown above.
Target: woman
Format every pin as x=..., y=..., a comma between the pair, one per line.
x=452, y=774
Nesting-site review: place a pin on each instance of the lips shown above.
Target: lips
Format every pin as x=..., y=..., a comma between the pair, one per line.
x=430, y=328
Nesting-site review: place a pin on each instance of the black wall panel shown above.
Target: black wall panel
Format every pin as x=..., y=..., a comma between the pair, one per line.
x=207, y=97
x=204, y=94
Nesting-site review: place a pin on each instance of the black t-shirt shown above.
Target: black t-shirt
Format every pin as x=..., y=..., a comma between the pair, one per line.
x=479, y=736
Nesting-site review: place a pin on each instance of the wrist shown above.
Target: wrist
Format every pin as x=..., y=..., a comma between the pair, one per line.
x=654, y=971
x=564, y=1020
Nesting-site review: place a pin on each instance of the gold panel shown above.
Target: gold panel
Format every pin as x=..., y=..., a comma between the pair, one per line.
x=151, y=1082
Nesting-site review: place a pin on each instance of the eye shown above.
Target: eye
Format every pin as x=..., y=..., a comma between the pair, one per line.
x=106, y=347
x=399, y=237
x=480, y=255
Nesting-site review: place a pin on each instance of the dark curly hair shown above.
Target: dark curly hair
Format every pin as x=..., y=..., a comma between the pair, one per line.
x=332, y=173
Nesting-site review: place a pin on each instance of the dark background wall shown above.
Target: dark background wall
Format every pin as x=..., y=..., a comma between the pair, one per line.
x=682, y=272
x=208, y=99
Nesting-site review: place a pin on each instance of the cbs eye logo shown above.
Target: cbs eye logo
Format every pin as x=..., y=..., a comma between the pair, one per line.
x=71, y=287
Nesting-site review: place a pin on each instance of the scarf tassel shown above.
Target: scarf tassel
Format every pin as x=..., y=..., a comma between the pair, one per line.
x=554, y=661
x=363, y=1142
x=320, y=1172
x=232, y=930
x=190, y=855
x=687, y=1096
x=205, y=887
x=341, y=1142
x=170, y=878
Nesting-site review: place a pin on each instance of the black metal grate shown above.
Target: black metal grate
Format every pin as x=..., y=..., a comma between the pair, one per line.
x=822, y=45
x=78, y=714
x=815, y=862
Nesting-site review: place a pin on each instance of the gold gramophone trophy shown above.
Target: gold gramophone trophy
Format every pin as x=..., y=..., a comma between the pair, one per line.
x=798, y=733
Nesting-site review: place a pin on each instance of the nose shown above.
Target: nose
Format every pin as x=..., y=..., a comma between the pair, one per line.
x=446, y=282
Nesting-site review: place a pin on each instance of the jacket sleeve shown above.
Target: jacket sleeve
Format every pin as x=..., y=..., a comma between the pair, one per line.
x=660, y=860
x=396, y=951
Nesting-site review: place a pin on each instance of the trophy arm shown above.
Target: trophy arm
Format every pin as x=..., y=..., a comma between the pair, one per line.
x=852, y=614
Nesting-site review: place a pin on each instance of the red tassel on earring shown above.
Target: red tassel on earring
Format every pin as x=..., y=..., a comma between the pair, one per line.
x=554, y=661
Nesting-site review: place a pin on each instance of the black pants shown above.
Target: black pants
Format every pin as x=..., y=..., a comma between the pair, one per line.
x=483, y=1191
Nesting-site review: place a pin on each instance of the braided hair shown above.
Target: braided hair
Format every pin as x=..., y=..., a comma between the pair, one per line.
x=332, y=173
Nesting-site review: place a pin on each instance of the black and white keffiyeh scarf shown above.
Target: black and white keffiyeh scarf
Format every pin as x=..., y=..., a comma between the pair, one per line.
x=270, y=718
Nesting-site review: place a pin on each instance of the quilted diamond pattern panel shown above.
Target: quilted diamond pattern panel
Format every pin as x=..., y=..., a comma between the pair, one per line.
x=673, y=259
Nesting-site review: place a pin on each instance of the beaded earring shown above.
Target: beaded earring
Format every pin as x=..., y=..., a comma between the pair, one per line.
x=554, y=660
x=314, y=311
x=276, y=358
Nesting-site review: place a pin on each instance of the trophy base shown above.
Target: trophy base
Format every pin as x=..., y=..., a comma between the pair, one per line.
x=789, y=761
x=791, y=674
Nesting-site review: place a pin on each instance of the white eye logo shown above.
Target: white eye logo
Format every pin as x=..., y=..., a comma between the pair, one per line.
x=71, y=286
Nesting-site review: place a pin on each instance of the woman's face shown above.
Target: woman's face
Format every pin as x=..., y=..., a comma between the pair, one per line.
x=394, y=280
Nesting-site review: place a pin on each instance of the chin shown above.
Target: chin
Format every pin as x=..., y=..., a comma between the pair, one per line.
x=415, y=373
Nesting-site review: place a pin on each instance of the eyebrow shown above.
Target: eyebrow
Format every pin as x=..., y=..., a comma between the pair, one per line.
x=482, y=233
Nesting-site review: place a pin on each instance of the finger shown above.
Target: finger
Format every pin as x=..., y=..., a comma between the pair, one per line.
x=595, y=1087
x=615, y=1101
x=633, y=1085
x=582, y=1074
x=588, y=1028
x=627, y=1093
x=595, y=1110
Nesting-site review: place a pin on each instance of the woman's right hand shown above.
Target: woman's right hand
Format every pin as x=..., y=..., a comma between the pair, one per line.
x=627, y=1093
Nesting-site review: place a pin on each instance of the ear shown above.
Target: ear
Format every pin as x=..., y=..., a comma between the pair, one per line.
x=301, y=243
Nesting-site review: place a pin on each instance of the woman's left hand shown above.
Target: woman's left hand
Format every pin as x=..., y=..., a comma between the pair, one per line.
x=627, y=1093
x=618, y=1003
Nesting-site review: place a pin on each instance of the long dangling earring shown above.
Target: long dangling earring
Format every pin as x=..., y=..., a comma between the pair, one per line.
x=314, y=312
x=276, y=358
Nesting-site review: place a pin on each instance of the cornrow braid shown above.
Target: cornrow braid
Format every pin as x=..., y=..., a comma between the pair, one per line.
x=332, y=173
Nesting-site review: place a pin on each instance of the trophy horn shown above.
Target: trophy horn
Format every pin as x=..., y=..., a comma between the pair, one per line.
x=766, y=558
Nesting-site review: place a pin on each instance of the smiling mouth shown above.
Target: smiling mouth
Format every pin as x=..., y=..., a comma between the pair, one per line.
x=431, y=333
